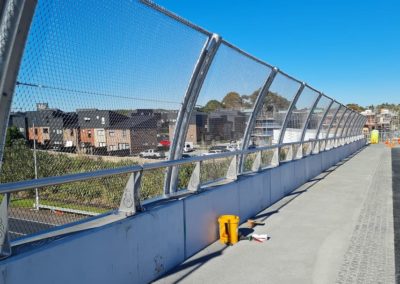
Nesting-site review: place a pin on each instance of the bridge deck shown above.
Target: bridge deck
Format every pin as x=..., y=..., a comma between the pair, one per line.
x=337, y=228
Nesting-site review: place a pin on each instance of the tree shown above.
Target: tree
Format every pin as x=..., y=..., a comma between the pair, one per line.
x=12, y=135
x=211, y=106
x=248, y=101
x=355, y=107
x=279, y=102
x=232, y=100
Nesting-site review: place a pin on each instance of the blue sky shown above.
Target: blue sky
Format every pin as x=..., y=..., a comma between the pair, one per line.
x=124, y=55
x=350, y=50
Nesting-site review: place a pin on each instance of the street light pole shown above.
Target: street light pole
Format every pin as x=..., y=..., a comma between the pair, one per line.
x=35, y=166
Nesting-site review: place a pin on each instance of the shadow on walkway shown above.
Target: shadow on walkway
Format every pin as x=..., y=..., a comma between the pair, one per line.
x=217, y=250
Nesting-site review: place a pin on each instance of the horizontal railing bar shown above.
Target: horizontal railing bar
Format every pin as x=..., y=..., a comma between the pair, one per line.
x=76, y=177
x=58, y=180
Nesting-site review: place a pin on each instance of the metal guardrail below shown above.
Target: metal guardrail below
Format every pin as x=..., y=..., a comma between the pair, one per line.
x=130, y=200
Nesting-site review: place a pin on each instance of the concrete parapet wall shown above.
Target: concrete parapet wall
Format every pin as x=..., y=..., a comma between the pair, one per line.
x=143, y=247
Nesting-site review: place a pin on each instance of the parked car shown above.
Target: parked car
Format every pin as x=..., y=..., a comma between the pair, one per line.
x=152, y=154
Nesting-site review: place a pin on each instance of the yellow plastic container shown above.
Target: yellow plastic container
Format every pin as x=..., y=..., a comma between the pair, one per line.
x=374, y=137
x=228, y=229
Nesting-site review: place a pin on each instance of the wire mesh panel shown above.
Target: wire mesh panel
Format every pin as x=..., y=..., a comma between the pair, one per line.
x=359, y=124
x=270, y=119
x=65, y=204
x=225, y=102
x=316, y=119
x=335, y=123
x=328, y=120
x=298, y=117
x=349, y=124
x=342, y=123
x=215, y=170
x=99, y=86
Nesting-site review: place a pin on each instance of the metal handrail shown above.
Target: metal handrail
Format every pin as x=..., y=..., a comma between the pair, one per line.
x=76, y=177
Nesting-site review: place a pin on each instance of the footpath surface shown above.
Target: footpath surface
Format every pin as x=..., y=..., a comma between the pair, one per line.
x=337, y=228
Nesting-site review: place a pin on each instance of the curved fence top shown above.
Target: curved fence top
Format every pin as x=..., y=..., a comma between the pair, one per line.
x=108, y=85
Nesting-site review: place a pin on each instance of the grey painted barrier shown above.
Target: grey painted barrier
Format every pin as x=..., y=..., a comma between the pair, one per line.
x=145, y=246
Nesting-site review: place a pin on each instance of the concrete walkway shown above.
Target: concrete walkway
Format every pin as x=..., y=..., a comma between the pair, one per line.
x=337, y=228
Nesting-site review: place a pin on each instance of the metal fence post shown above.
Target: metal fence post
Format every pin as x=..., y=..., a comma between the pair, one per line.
x=316, y=146
x=359, y=124
x=256, y=109
x=331, y=124
x=349, y=126
x=289, y=112
x=14, y=26
x=304, y=130
x=340, y=122
x=353, y=130
x=16, y=18
x=182, y=123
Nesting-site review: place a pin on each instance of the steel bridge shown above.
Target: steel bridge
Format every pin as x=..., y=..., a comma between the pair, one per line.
x=82, y=97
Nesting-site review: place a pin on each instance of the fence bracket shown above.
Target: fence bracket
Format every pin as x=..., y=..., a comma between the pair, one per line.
x=317, y=147
x=289, y=155
x=275, y=158
x=194, y=181
x=130, y=201
x=232, y=170
x=256, y=167
x=299, y=152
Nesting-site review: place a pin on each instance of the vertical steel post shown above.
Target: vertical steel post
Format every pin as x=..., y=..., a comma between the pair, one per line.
x=331, y=124
x=359, y=121
x=349, y=133
x=15, y=19
x=182, y=123
x=349, y=126
x=300, y=152
x=355, y=126
x=289, y=112
x=35, y=165
x=345, y=114
x=14, y=26
x=304, y=130
x=340, y=122
x=323, y=118
x=256, y=109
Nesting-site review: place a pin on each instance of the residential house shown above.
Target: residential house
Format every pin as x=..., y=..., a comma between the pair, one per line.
x=197, y=128
x=18, y=120
x=132, y=135
x=46, y=126
x=93, y=124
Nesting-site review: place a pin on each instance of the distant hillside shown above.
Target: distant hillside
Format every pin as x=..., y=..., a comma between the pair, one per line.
x=392, y=107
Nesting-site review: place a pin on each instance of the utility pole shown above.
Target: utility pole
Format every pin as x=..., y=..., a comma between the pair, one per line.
x=35, y=166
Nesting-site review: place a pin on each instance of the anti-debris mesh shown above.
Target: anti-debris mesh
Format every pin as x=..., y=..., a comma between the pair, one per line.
x=270, y=119
x=316, y=118
x=328, y=120
x=297, y=119
x=99, y=85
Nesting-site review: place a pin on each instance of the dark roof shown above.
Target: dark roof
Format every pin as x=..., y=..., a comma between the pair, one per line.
x=136, y=122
